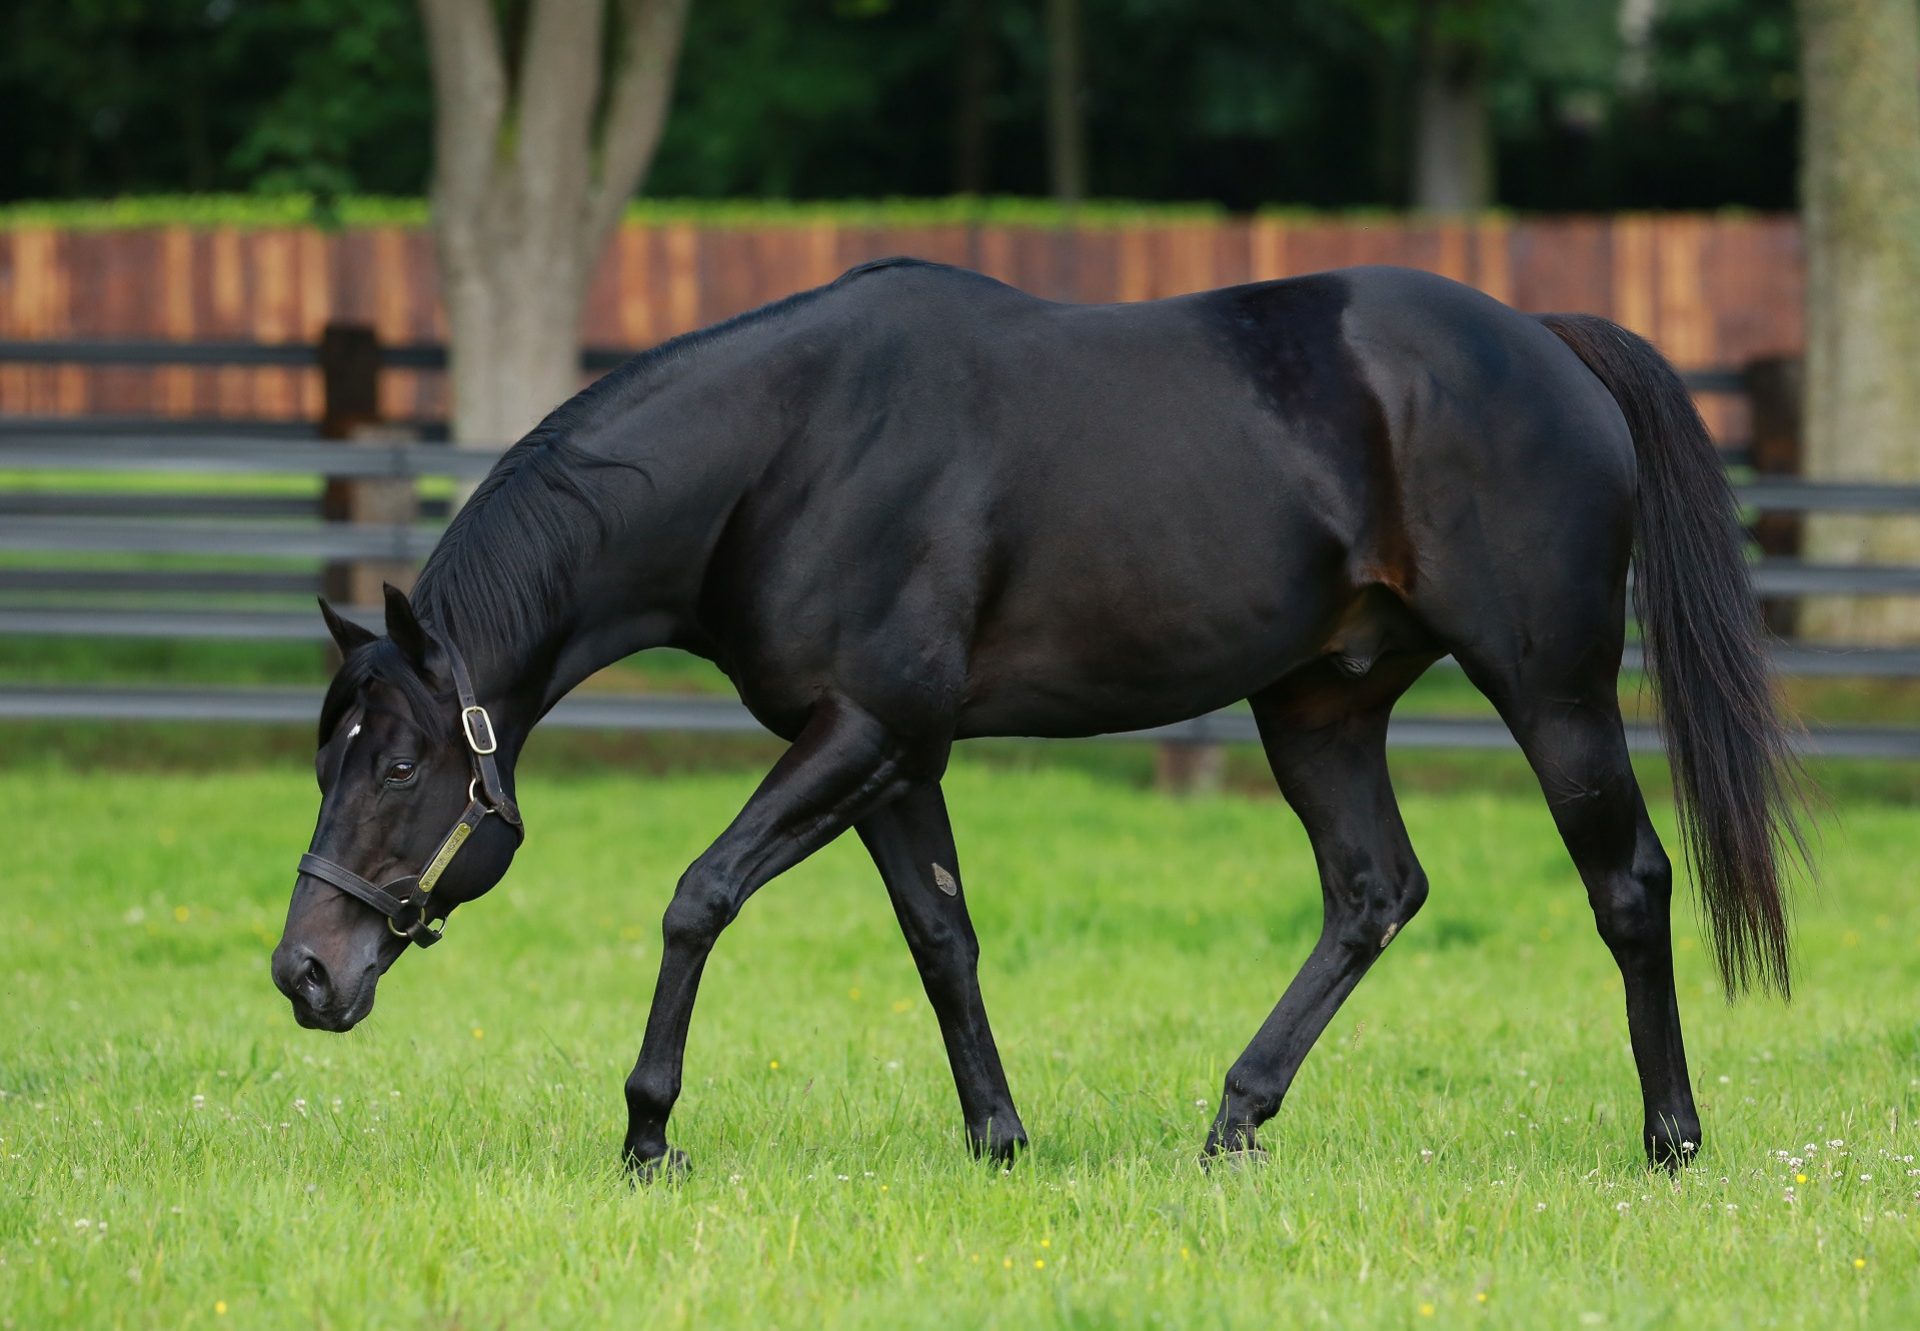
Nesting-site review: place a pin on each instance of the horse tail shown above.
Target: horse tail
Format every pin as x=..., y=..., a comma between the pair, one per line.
x=1740, y=790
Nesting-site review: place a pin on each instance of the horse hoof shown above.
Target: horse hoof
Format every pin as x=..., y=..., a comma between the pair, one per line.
x=671, y=1166
x=1240, y=1158
x=999, y=1147
x=1003, y=1151
x=1664, y=1152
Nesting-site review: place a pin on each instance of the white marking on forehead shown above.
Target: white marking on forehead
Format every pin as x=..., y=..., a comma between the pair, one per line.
x=353, y=732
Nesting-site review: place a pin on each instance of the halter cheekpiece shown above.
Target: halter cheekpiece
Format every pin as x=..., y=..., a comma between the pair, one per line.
x=406, y=901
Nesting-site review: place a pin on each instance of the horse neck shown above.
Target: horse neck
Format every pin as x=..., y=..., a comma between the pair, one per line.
x=544, y=591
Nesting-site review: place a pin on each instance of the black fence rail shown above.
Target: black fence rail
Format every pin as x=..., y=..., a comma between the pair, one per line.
x=84, y=555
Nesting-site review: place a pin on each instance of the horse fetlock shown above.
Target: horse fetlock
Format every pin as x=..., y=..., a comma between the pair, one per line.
x=650, y=1098
x=1247, y=1104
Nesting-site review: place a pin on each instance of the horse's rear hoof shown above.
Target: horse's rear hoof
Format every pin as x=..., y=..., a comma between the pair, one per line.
x=671, y=1165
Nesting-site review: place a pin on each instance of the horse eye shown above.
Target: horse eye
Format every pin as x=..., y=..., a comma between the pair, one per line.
x=400, y=773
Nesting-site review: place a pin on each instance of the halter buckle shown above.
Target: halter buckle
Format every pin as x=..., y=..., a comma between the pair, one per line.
x=474, y=740
x=420, y=931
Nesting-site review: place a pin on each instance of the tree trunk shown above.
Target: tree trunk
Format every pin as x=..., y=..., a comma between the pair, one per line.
x=1066, y=104
x=1452, y=131
x=970, y=107
x=1636, y=23
x=514, y=295
x=528, y=185
x=1860, y=192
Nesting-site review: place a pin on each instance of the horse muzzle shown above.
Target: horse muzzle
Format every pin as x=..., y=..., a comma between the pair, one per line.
x=323, y=1000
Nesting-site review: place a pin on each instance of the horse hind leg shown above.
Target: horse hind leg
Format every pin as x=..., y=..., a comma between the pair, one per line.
x=1566, y=718
x=1325, y=738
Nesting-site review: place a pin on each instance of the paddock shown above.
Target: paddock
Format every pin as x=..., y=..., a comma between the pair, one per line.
x=1457, y=1149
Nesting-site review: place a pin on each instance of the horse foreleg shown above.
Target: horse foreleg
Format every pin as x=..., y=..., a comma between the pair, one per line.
x=911, y=842
x=1335, y=777
x=843, y=765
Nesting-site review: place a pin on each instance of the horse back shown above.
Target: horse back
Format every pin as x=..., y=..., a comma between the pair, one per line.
x=1035, y=517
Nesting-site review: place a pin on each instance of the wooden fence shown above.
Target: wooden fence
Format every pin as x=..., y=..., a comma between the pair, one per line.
x=1710, y=290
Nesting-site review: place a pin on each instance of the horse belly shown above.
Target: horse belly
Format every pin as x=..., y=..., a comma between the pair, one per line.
x=1096, y=648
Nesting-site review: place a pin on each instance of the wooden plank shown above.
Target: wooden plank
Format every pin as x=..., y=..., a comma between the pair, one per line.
x=1270, y=250
x=633, y=315
x=996, y=258
x=271, y=306
x=313, y=259
x=682, y=307
x=1135, y=271
x=233, y=390
x=1490, y=267
x=13, y=378
x=1633, y=303
x=175, y=312
x=195, y=583
x=823, y=252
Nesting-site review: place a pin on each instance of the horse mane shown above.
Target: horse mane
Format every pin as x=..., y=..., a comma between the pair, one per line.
x=505, y=563
x=503, y=566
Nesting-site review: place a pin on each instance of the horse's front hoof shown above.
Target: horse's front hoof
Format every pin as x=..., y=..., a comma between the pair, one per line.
x=998, y=1139
x=671, y=1164
x=1671, y=1152
x=995, y=1143
x=1226, y=1138
x=1238, y=1158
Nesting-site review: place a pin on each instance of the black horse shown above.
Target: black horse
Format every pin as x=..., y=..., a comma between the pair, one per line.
x=917, y=505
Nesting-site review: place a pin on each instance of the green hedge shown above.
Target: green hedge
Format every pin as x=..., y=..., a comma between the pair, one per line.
x=249, y=210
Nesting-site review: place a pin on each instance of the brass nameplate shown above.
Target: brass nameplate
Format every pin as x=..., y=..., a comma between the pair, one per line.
x=444, y=856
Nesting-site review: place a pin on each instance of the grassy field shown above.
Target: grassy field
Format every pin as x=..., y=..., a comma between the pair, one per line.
x=1459, y=1150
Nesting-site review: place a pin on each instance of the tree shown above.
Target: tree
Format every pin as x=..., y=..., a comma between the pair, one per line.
x=1860, y=193
x=974, y=73
x=1452, y=125
x=1066, y=103
x=543, y=129
x=1441, y=56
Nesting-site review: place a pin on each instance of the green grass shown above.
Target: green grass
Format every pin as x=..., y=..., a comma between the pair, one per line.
x=172, y=1146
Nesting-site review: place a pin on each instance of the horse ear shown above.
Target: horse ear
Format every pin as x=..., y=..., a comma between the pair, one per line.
x=404, y=628
x=347, y=635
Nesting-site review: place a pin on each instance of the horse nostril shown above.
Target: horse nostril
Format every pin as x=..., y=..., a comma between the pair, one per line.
x=302, y=977
x=313, y=985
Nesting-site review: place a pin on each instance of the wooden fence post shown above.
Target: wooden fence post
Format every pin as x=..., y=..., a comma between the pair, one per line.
x=1189, y=769
x=350, y=378
x=1775, y=394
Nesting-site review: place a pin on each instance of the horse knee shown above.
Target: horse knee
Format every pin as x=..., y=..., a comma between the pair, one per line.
x=1630, y=909
x=702, y=906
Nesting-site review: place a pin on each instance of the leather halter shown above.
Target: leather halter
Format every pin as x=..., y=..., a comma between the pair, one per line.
x=405, y=901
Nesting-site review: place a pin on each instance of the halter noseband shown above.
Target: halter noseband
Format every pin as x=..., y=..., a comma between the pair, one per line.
x=405, y=900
